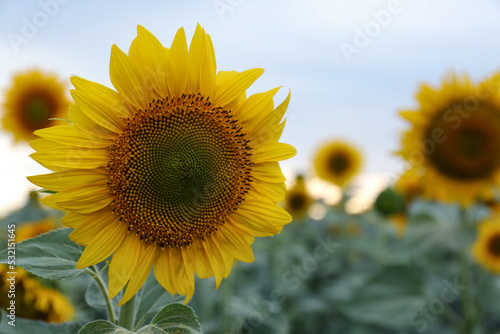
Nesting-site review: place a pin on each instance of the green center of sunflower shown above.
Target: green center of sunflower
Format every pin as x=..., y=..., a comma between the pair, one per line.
x=467, y=148
x=494, y=245
x=37, y=108
x=338, y=162
x=178, y=169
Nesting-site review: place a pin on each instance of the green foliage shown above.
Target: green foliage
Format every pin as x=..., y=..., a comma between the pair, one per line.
x=102, y=327
x=388, y=298
x=34, y=326
x=171, y=319
x=151, y=298
x=343, y=274
x=51, y=255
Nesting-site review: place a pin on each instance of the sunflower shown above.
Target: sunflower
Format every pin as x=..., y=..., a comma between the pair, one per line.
x=409, y=185
x=177, y=169
x=32, y=229
x=297, y=199
x=34, y=300
x=453, y=145
x=32, y=100
x=337, y=162
x=486, y=249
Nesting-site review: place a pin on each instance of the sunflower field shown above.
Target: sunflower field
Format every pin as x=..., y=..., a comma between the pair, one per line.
x=353, y=188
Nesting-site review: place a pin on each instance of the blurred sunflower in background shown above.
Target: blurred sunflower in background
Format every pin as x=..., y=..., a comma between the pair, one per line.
x=337, y=162
x=297, y=199
x=453, y=144
x=33, y=98
x=486, y=249
x=34, y=300
x=409, y=185
x=32, y=229
x=176, y=169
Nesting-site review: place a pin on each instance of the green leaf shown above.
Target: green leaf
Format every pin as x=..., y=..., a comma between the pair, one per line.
x=34, y=326
x=173, y=318
x=152, y=298
x=388, y=299
x=51, y=255
x=103, y=327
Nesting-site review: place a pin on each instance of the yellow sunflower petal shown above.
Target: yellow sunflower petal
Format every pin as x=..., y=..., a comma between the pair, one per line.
x=164, y=273
x=182, y=272
x=177, y=64
x=143, y=268
x=85, y=233
x=127, y=80
x=123, y=263
x=69, y=135
x=235, y=243
x=72, y=158
x=257, y=107
x=273, y=119
x=69, y=179
x=201, y=260
x=42, y=144
x=225, y=94
x=226, y=257
x=274, y=191
x=273, y=152
x=202, y=63
x=269, y=216
x=268, y=172
x=86, y=125
x=83, y=199
x=102, y=96
x=104, y=243
x=97, y=112
x=74, y=220
x=269, y=135
x=217, y=259
x=150, y=58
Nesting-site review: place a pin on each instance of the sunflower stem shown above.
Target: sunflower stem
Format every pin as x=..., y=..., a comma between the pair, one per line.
x=127, y=314
x=104, y=291
x=467, y=300
x=469, y=312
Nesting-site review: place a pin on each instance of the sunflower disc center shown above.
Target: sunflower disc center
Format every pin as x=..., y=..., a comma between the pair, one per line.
x=37, y=107
x=468, y=149
x=338, y=162
x=297, y=201
x=494, y=246
x=178, y=169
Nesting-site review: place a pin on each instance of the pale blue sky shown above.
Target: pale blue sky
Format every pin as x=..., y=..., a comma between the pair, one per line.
x=297, y=42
